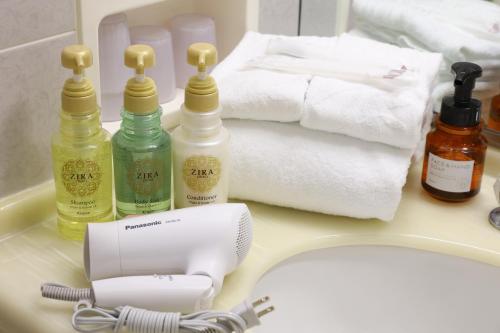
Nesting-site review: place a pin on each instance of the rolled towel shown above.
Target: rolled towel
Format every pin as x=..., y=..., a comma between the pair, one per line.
x=264, y=95
x=288, y=165
x=365, y=112
x=258, y=94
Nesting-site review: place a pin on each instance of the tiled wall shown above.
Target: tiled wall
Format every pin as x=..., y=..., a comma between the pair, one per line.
x=318, y=17
x=279, y=17
x=299, y=17
x=32, y=34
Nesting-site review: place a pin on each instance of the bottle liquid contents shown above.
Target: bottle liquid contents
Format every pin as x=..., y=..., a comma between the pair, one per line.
x=141, y=148
x=200, y=143
x=455, y=150
x=494, y=118
x=81, y=152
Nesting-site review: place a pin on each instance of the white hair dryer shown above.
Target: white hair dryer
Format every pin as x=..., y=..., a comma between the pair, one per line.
x=203, y=243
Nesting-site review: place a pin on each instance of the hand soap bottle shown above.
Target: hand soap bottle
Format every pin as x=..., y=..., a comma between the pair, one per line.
x=494, y=118
x=141, y=148
x=81, y=152
x=455, y=150
x=200, y=143
x=492, y=129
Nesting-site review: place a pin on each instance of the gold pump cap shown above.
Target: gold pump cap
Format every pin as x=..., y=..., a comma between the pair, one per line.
x=201, y=94
x=140, y=95
x=78, y=95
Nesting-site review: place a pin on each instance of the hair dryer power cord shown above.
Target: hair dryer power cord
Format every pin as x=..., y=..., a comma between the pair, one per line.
x=87, y=318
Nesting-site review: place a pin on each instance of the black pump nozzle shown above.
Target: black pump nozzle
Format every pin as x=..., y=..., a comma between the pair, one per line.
x=461, y=109
x=466, y=74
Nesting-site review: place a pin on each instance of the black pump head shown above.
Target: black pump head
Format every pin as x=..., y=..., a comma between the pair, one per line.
x=461, y=109
x=466, y=74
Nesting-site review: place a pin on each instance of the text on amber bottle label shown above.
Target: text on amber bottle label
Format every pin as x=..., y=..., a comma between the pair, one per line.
x=450, y=176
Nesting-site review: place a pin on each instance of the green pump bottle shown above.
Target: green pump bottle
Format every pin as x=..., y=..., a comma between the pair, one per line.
x=141, y=148
x=81, y=152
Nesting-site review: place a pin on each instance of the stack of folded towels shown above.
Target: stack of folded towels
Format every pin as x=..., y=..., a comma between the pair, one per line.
x=462, y=30
x=325, y=124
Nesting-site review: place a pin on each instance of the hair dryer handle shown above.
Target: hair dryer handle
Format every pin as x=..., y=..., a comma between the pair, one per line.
x=211, y=265
x=170, y=293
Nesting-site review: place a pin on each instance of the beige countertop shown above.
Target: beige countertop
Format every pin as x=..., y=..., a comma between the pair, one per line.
x=32, y=253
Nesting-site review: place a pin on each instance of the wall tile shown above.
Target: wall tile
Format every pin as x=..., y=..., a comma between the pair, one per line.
x=25, y=21
x=279, y=17
x=318, y=17
x=31, y=83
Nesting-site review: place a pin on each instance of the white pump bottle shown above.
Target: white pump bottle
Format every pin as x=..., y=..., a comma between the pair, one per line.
x=200, y=143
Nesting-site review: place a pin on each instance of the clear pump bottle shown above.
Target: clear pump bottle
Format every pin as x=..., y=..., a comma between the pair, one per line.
x=81, y=152
x=455, y=151
x=200, y=143
x=141, y=148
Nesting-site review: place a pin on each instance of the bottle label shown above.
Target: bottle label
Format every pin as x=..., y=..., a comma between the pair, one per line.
x=81, y=177
x=146, y=176
x=201, y=173
x=147, y=179
x=448, y=175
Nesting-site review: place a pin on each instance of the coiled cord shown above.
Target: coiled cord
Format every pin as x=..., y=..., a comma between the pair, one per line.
x=144, y=321
x=89, y=318
x=65, y=293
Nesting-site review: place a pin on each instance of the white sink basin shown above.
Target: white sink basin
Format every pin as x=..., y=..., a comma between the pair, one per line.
x=381, y=289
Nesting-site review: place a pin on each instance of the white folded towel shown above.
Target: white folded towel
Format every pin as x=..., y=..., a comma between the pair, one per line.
x=381, y=96
x=264, y=95
x=354, y=59
x=382, y=77
x=365, y=112
x=258, y=94
x=288, y=165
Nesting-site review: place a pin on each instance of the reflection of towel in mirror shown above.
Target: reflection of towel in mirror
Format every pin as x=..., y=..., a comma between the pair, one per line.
x=462, y=30
x=288, y=165
x=459, y=29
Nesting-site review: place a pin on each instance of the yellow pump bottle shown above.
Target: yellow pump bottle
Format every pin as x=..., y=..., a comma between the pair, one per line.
x=81, y=152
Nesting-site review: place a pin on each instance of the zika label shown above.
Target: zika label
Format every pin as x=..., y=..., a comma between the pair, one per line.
x=146, y=176
x=81, y=178
x=201, y=173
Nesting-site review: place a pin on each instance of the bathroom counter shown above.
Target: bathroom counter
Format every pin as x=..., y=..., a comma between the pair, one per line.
x=32, y=253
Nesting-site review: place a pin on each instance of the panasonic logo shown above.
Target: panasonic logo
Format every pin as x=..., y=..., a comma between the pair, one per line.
x=149, y=224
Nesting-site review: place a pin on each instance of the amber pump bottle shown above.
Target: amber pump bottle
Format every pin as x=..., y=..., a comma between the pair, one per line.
x=494, y=119
x=455, y=150
x=492, y=129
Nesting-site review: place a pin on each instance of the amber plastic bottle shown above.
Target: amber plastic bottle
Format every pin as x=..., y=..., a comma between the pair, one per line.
x=455, y=151
x=494, y=118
